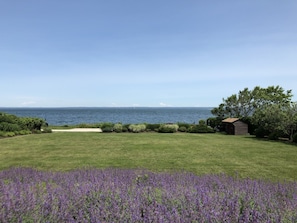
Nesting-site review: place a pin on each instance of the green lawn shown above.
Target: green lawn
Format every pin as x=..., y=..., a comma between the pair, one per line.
x=199, y=153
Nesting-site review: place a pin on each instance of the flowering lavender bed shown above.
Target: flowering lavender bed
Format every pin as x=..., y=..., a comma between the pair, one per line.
x=115, y=195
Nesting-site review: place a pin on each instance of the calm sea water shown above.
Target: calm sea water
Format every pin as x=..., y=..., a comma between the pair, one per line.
x=71, y=116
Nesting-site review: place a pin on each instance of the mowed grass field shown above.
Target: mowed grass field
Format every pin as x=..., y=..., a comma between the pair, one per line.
x=244, y=156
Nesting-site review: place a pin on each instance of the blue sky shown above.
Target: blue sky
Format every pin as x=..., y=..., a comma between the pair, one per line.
x=63, y=53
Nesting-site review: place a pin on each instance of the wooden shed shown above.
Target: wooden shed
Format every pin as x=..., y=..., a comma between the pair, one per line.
x=234, y=126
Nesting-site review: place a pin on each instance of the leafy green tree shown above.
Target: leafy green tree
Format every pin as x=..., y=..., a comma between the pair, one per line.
x=290, y=122
x=277, y=119
x=246, y=102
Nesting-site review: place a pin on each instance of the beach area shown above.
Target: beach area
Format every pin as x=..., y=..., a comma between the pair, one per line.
x=78, y=130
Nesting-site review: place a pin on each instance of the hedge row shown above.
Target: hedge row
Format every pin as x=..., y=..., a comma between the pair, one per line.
x=161, y=128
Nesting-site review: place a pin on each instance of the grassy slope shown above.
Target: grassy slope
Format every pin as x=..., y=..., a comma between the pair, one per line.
x=199, y=153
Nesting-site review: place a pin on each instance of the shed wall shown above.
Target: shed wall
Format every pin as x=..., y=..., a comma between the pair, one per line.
x=240, y=128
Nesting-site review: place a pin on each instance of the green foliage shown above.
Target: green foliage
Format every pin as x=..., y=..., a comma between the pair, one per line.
x=118, y=127
x=4, y=117
x=182, y=129
x=31, y=123
x=136, y=128
x=2, y=134
x=294, y=138
x=10, y=134
x=201, y=128
x=105, y=124
x=125, y=128
x=9, y=127
x=36, y=131
x=274, y=136
x=24, y=132
x=168, y=128
x=46, y=130
x=278, y=119
x=106, y=127
x=183, y=126
x=268, y=111
x=260, y=132
x=12, y=125
x=247, y=101
x=214, y=121
x=6, y=134
x=202, y=122
x=152, y=127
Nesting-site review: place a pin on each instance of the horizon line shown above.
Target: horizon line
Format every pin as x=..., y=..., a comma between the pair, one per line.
x=108, y=107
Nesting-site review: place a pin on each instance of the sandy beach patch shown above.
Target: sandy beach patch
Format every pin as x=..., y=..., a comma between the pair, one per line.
x=78, y=130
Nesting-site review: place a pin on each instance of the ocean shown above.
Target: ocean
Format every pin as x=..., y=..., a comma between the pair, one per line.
x=125, y=115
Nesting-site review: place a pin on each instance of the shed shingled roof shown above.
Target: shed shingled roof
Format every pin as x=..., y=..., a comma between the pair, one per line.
x=230, y=120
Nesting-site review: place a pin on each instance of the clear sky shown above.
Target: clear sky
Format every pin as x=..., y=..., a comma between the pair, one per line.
x=64, y=53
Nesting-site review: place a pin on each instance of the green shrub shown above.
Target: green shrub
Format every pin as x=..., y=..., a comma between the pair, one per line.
x=202, y=122
x=125, y=129
x=211, y=130
x=186, y=125
x=273, y=136
x=106, y=127
x=152, y=127
x=24, y=132
x=105, y=124
x=214, y=121
x=201, y=129
x=47, y=130
x=137, y=128
x=9, y=127
x=168, y=128
x=9, y=134
x=294, y=137
x=182, y=129
x=36, y=131
x=4, y=117
x=31, y=123
x=260, y=132
x=118, y=127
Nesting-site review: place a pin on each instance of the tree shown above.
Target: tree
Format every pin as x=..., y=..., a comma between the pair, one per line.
x=290, y=121
x=277, y=119
x=246, y=102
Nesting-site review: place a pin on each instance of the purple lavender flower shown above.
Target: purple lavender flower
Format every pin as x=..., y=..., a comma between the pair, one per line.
x=115, y=195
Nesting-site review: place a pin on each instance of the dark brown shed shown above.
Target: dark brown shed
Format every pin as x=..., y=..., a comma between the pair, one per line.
x=234, y=126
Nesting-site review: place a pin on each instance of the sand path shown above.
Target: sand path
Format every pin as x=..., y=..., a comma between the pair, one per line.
x=78, y=130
